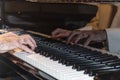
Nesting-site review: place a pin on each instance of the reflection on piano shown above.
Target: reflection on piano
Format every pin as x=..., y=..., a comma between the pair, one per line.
x=55, y=60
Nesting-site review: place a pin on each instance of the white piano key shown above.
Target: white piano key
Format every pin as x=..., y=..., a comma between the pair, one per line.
x=53, y=68
x=70, y=68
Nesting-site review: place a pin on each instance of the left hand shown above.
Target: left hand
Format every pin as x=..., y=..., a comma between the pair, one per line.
x=28, y=41
x=10, y=41
x=9, y=34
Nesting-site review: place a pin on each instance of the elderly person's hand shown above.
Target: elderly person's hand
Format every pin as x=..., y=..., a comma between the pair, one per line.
x=10, y=41
x=60, y=33
x=89, y=36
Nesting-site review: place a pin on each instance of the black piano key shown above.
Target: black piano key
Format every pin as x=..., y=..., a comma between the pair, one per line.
x=86, y=66
x=80, y=58
x=113, y=64
x=94, y=71
x=111, y=61
x=109, y=71
x=106, y=58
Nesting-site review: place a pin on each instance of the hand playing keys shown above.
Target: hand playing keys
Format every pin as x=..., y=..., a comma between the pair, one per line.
x=10, y=41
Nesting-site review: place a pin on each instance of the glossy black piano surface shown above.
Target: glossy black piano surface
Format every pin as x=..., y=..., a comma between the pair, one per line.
x=94, y=63
x=11, y=71
x=45, y=17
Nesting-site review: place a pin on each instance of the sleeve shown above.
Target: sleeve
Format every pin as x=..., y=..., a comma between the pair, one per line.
x=113, y=38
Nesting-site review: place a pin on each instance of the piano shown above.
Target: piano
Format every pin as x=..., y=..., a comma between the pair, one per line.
x=55, y=60
x=45, y=17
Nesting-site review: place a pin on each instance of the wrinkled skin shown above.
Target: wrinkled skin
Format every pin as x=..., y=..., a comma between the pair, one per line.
x=60, y=33
x=76, y=36
x=89, y=36
x=10, y=41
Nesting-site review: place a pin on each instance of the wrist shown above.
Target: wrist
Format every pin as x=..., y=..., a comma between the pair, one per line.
x=103, y=33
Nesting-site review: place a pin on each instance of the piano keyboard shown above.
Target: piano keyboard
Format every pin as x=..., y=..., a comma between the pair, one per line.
x=71, y=62
x=58, y=71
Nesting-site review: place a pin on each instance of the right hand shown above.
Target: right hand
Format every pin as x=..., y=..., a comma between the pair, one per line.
x=60, y=33
x=88, y=35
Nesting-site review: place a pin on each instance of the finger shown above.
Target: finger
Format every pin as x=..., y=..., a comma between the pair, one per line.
x=81, y=36
x=32, y=40
x=56, y=35
x=30, y=44
x=71, y=37
x=55, y=32
x=87, y=42
x=60, y=35
x=26, y=49
x=78, y=39
x=26, y=37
